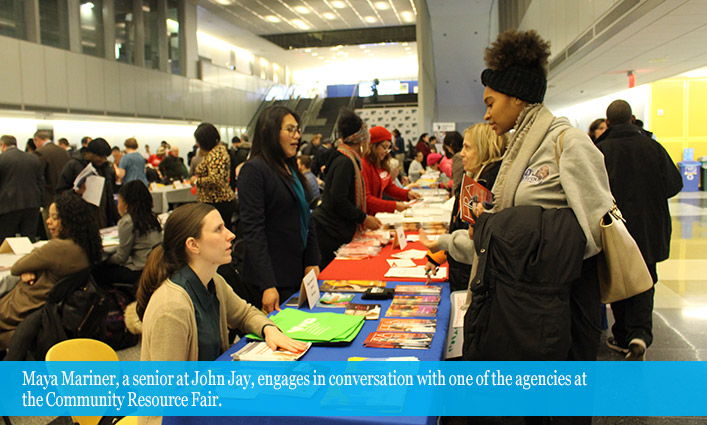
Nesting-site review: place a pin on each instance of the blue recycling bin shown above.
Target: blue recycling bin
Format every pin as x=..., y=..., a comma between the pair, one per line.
x=690, y=171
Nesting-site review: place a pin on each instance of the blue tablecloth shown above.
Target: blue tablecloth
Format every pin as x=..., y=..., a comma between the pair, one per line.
x=343, y=352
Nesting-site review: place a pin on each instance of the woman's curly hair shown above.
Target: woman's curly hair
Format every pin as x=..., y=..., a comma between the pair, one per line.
x=523, y=49
x=78, y=223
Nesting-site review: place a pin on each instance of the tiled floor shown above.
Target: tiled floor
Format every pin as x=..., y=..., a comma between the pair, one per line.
x=679, y=318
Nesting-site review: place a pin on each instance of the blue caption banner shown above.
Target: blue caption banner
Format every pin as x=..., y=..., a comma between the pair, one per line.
x=353, y=388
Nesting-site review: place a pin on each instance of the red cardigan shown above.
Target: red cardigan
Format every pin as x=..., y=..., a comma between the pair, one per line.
x=375, y=189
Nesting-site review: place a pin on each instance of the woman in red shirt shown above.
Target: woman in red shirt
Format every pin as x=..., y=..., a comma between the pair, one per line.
x=377, y=176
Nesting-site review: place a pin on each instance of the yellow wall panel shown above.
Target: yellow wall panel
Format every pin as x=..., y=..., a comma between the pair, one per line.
x=667, y=108
x=696, y=111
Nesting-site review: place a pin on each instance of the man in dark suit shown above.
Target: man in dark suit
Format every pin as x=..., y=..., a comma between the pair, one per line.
x=21, y=185
x=642, y=177
x=53, y=158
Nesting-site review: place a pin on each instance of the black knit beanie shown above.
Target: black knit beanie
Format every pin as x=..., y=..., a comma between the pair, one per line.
x=524, y=83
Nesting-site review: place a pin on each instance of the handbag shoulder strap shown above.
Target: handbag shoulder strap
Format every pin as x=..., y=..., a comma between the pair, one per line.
x=558, y=147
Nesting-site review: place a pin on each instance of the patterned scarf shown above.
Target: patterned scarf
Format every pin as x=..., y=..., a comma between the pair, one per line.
x=355, y=158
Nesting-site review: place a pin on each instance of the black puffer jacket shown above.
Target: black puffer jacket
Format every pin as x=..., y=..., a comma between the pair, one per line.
x=520, y=307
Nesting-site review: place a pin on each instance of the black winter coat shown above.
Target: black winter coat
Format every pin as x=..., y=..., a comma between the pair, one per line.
x=520, y=308
x=642, y=177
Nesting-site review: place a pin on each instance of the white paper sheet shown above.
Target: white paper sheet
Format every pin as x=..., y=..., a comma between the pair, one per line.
x=415, y=272
x=401, y=262
x=94, y=190
x=413, y=254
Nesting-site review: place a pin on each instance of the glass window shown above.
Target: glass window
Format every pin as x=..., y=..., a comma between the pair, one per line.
x=173, y=36
x=12, y=18
x=91, y=16
x=54, y=23
x=124, y=31
x=150, y=16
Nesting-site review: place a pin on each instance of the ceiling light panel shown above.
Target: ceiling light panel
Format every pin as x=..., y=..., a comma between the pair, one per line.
x=370, y=19
x=303, y=10
x=382, y=5
x=338, y=4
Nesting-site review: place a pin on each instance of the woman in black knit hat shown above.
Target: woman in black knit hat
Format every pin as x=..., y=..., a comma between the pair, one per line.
x=535, y=288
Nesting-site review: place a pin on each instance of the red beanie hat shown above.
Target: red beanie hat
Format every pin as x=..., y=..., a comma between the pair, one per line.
x=380, y=134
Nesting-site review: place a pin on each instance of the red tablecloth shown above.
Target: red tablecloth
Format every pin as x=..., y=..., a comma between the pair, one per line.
x=372, y=268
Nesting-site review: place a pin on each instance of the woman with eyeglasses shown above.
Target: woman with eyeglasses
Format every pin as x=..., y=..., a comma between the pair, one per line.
x=211, y=175
x=375, y=168
x=343, y=209
x=275, y=224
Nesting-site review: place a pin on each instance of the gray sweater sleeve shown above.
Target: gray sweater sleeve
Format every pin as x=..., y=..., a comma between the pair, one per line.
x=459, y=245
x=127, y=238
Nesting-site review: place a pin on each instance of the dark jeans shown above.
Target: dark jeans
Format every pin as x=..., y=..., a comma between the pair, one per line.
x=634, y=316
x=226, y=209
x=23, y=222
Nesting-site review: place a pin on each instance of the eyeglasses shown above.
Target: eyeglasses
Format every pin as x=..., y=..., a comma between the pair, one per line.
x=292, y=130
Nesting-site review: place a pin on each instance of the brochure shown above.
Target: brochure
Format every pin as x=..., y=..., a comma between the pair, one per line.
x=411, y=311
x=474, y=199
x=416, y=299
x=350, y=285
x=369, y=311
x=259, y=351
x=418, y=290
x=407, y=340
x=407, y=325
x=334, y=300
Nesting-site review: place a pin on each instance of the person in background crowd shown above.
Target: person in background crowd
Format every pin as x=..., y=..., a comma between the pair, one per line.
x=138, y=231
x=423, y=146
x=30, y=147
x=433, y=161
x=398, y=146
x=196, y=159
x=343, y=208
x=211, y=175
x=75, y=246
x=21, y=185
x=96, y=153
x=116, y=155
x=304, y=163
x=642, y=177
x=131, y=166
x=84, y=143
x=639, y=124
x=481, y=154
x=187, y=308
x=416, y=169
x=432, y=143
x=53, y=159
x=65, y=144
x=147, y=153
x=453, y=143
x=172, y=166
x=596, y=129
x=241, y=147
x=155, y=159
x=280, y=241
x=376, y=173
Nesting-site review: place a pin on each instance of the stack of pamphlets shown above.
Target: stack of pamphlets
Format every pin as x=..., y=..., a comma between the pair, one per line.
x=407, y=325
x=408, y=340
x=369, y=311
x=418, y=290
x=415, y=301
x=350, y=285
x=334, y=300
x=364, y=245
x=396, y=310
x=260, y=352
x=316, y=327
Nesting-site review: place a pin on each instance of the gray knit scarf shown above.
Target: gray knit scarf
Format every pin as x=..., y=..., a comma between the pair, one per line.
x=530, y=129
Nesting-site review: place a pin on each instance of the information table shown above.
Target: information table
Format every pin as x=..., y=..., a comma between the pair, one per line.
x=162, y=196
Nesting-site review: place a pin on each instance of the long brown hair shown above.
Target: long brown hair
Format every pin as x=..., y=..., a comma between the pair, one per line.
x=166, y=259
x=372, y=157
